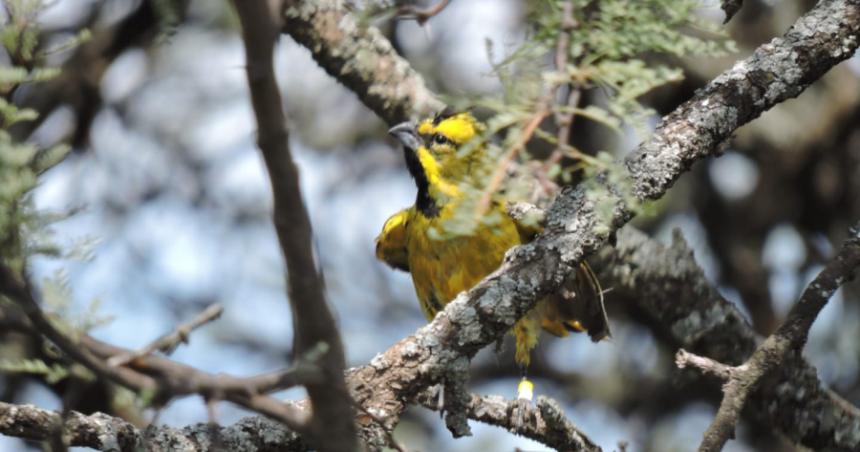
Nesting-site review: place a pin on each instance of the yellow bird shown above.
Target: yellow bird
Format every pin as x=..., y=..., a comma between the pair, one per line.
x=444, y=263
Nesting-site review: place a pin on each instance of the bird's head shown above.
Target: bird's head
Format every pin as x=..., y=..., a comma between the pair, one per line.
x=431, y=147
x=431, y=152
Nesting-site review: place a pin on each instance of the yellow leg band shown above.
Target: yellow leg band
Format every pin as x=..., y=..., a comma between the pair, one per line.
x=525, y=390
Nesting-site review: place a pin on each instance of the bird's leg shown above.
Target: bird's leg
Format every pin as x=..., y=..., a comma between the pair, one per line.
x=526, y=389
x=520, y=408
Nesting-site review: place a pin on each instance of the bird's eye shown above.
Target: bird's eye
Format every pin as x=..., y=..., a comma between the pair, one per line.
x=440, y=139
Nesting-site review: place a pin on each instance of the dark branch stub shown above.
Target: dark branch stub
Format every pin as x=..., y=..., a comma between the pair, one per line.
x=731, y=7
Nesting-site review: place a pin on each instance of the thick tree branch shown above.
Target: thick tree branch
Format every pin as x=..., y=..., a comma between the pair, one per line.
x=102, y=432
x=776, y=71
x=577, y=226
x=670, y=289
x=361, y=58
x=331, y=427
x=788, y=339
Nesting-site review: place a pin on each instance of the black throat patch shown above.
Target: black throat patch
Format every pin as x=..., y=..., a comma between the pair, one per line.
x=423, y=202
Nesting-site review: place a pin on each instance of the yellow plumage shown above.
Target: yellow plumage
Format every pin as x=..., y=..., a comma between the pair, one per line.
x=443, y=264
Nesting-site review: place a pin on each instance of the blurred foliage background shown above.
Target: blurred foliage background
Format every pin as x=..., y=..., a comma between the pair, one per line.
x=162, y=205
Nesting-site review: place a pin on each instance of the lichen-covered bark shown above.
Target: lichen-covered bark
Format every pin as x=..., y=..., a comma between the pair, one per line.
x=102, y=432
x=546, y=421
x=776, y=71
x=577, y=226
x=361, y=58
x=667, y=285
x=579, y=222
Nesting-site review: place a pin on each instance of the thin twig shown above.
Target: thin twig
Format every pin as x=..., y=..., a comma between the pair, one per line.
x=564, y=121
x=504, y=162
x=173, y=379
x=684, y=359
x=167, y=343
x=563, y=117
x=20, y=292
x=421, y=15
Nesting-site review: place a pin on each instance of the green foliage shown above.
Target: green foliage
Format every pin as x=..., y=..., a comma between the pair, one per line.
x=24, y=231
x=20, y=36
x=610, y=51
x=57, y=296
x=619, y=47
x=20, y=162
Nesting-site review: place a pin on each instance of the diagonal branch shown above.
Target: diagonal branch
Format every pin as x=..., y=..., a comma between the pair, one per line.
x=578, y=224
x=361, y=58
x=170, y=341
x=670, y=289
x=331, y=426
x=162, y=378
x=788, y=339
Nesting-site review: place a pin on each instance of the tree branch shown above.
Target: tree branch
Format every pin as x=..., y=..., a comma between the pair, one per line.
x=361, y=58
x=546, y=422
x=161, y=377
x=102, y=432
x=788, y=339
x=576, y=228
x=669, y=288
x=331, y=426
x=170, y=341
x=731, y=7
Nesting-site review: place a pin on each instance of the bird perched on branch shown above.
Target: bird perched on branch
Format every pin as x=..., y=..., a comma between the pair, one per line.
x=444, y=263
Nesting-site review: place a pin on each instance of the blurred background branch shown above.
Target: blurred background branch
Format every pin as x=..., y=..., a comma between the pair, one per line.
x=789, y=339
x=331, y=426
x=164, y=170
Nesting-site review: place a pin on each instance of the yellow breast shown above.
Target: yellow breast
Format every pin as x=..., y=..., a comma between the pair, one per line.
x=443, y=265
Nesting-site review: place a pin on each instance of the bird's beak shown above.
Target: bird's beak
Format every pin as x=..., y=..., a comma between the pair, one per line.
x=405, y=133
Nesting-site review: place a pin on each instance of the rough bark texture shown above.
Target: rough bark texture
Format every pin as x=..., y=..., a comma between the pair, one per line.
x=577, y=227
x=102, y=432
x=360, y=58
x=668, y=286
x=787, y=341
x=579, y=222
x=777, y=71
x=545, y=421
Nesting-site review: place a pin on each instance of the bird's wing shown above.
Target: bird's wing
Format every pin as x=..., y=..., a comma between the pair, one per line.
x=391, y=242
x=578, y=305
